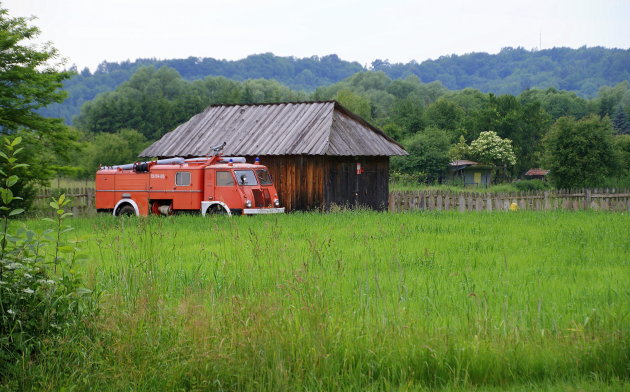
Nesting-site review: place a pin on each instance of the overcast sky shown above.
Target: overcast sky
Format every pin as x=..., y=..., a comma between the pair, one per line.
x=87, y=32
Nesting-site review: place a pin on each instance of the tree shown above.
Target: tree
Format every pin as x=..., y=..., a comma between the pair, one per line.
x=155, y=101
x=428, y=155
x=444, y=114
x=28, y=82
x=407, y=115
x=114, y=149
x=152, y=101
x=523, y=123
x=458, y=151
x=620, y=121
x=610, y=97
x=491, y=149
x=556, y=103
x=356, y=103
x=580, y=153
x=622, y=144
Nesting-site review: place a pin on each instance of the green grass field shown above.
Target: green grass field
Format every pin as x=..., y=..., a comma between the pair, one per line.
x=353, y=301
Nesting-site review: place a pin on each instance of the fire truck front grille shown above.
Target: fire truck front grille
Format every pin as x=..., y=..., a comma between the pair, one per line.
x=261, y=198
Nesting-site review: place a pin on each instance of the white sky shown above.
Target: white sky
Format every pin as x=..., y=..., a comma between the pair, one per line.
x=87, y=32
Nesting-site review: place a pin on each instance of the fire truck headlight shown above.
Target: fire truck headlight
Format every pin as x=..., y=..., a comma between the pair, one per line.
x=248, y=204
x=276, y=203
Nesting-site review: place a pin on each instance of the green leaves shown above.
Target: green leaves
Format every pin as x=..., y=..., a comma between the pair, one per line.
x=489, y=148
x=11, y=181
x=17, y=211
x=30, y=83
x=580, y=153
x=427, y=155
x=59, y=203
x=35, y=303
x=6, y=195
x=66, y=249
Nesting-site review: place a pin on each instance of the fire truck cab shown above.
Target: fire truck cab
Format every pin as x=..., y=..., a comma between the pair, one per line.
x=210, y=185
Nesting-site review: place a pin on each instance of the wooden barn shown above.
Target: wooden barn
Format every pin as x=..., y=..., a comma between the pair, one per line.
x=319, y=153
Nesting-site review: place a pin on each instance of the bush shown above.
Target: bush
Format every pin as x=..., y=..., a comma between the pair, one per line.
x=581, y=153
x=428, y=155
x=531, y=185
x=406, y=179
x=41, y=295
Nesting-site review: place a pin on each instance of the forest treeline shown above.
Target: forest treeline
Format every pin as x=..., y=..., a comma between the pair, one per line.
x=435, y=124
x=510, y=71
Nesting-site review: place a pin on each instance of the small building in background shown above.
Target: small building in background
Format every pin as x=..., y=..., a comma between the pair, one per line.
x=536, y=174
x=319, y=153
x=470, y=173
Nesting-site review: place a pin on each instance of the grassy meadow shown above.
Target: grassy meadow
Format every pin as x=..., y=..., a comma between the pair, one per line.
x=352, y=301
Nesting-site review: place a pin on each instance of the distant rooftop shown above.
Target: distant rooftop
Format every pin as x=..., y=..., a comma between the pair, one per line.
x=463, y=162
x=537, y=172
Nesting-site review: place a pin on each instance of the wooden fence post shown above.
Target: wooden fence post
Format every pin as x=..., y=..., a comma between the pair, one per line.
x=390, y=202
x=547, y=203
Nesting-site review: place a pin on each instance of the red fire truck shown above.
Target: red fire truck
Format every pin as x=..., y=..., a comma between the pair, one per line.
x=210, y=185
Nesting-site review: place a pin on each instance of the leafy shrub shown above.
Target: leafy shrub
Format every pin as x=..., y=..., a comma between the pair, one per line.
x=41, y=294
x=398, y=178
x=531, y=185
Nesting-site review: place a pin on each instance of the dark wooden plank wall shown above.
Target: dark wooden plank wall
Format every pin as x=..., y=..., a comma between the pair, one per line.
x=299, y=180
x=317, y=182
x=342, y=182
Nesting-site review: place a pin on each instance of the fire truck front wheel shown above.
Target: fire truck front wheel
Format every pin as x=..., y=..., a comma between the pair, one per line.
x=216, y=210
x=126, y=210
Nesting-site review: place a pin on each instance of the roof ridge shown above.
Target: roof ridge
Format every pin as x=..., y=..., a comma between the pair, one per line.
x=272, y=103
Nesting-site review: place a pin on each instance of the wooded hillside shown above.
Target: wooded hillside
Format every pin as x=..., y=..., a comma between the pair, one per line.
x=435, y=124
x=583, y=71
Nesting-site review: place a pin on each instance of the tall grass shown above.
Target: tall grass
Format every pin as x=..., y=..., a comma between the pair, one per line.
x=355, y=301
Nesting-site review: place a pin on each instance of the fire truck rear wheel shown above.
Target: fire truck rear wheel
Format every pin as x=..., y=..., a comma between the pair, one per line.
x=126, y=210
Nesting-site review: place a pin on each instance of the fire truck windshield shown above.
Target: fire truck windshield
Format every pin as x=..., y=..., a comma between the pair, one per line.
x=264, y=177
x=245, y=177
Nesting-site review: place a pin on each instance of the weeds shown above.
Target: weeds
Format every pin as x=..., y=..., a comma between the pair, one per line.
x=39, y=308
x=360, y=301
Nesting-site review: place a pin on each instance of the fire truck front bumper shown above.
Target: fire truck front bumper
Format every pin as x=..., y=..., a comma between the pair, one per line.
x=254, y=211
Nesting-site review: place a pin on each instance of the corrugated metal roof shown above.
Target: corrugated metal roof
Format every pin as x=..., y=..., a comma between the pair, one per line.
x=289, y=128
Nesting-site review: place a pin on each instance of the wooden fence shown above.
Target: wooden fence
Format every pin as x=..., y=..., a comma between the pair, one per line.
x=82, y=201
x=430, y=200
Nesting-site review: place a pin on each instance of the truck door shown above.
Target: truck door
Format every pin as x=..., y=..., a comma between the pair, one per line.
x=208, y=185
x=183, y=191
x=226, y=190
